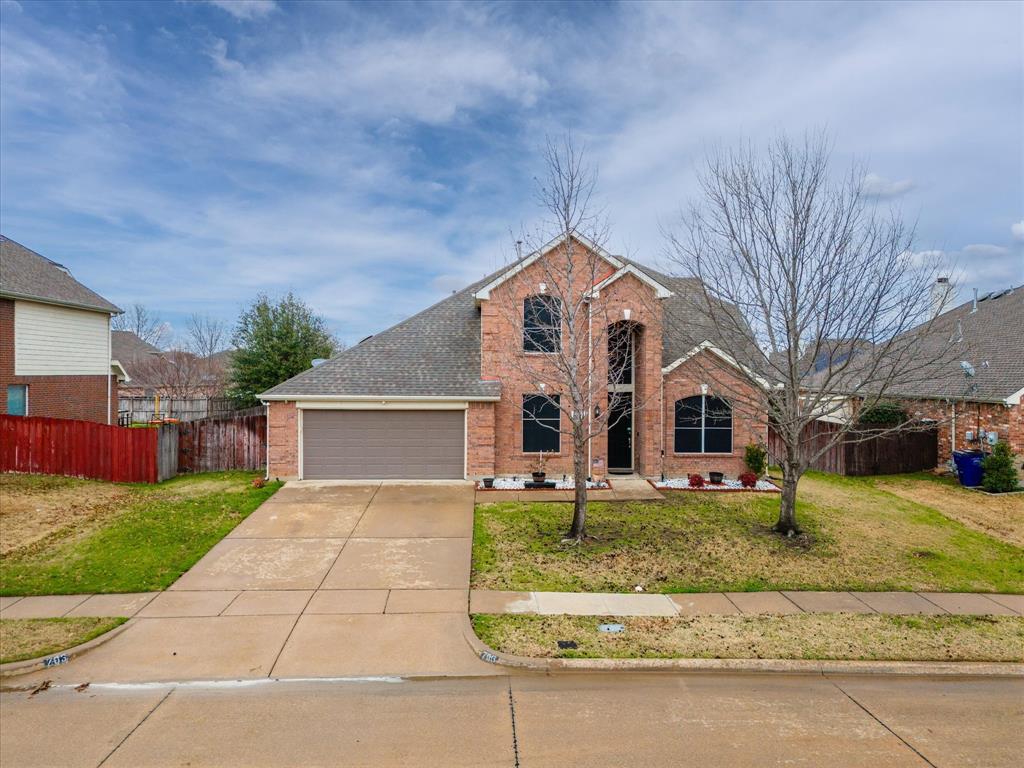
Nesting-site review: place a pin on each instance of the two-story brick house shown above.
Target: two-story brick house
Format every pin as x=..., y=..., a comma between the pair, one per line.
x=54, y=341
x=440, y=394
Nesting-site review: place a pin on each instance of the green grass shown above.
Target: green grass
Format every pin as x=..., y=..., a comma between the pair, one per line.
x=856, y=536
x=22, y=639
x=798, y=636
x=154, y=534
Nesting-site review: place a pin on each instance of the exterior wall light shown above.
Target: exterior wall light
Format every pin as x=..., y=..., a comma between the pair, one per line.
x=703, y=389
x=626, y=313
x=543, y=287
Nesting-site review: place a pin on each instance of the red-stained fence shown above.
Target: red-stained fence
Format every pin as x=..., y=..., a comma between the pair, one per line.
x=40, y=445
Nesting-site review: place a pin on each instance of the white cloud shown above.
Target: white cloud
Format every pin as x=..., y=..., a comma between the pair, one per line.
x=877, y=186
x=218, y=53
x=246, y=9
x=1017, y=230
x=985, y=249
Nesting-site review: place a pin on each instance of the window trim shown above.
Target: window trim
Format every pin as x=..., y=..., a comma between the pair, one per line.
x=555, y=306
x=703, y=428
x=524, y=419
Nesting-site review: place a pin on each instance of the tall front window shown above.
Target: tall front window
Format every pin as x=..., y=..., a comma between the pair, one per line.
x=703, y=425
x=542, y=421
x=542, y=324
x=17, y=400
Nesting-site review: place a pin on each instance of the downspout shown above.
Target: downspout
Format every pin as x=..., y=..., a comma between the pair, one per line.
x=952, y=433
x=110, y=351
x=661, y=422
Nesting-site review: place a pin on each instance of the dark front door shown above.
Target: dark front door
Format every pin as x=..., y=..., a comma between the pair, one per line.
x=620, y=432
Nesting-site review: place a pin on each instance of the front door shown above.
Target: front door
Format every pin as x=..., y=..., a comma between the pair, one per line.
x=620, y=432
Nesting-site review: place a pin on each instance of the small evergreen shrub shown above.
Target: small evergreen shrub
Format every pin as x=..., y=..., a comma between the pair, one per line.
x=748, y=480
x=882, y=415
x=998, y=473
x=756, y=458
x=696, y=481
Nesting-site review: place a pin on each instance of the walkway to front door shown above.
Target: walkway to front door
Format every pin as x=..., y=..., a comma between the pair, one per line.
x=324, y=580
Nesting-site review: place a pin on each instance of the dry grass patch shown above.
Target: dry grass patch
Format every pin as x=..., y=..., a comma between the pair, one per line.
x=36, y=507
x=22, y=639
x=856, y=537
x=999, y=516
x=798, y=636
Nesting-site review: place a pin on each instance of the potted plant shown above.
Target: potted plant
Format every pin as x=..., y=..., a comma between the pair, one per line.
x=488, y=482
x=539, y=474
x=716, y=478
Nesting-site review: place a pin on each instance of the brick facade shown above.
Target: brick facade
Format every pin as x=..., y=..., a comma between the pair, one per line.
x=1006, y=420
x=747, y=426
x=59, y=397
x=283, y=443
x=502, y=359
x=480, y=440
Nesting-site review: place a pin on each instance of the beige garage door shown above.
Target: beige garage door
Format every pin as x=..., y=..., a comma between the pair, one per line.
x=382, y=444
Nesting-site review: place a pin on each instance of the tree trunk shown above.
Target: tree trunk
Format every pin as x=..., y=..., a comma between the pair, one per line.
x=787, y=505
x=579, y=475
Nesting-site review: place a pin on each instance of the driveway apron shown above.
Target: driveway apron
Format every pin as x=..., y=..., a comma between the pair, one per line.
x=323, y=580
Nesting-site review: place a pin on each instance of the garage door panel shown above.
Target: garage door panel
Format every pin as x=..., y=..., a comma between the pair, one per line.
x=383, y=444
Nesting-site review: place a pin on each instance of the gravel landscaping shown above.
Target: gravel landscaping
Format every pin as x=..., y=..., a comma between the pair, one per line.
x=683, y=484
x=519, y=484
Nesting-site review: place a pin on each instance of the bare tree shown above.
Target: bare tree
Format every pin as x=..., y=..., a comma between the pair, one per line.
x=147, y=325
x=830, y=310
x=568, y=355
x=206, y=335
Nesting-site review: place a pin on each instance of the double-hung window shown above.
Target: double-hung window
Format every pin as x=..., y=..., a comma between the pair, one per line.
x=542, y=324
x=542, y=421
x=703, y=425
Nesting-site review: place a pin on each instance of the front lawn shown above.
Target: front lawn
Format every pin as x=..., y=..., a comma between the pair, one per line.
x=856, y=537
x=22, y=639
x=62, y=535
x=797, y=636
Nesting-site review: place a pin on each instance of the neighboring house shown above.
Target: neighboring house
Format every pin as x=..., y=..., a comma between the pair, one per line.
x=55, y=355
x=135, y=356
x=436, y=396
x=978, y=388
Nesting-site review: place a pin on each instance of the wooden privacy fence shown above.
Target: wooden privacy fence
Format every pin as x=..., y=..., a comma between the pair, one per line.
x=908, y=451
x=41, y=445
x=238, y=441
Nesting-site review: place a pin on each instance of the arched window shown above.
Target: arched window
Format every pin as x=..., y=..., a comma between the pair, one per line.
x=542, y=324
x=703, y=425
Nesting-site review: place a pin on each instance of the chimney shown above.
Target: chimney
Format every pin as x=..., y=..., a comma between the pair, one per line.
x=942, y=295
x=974, y=304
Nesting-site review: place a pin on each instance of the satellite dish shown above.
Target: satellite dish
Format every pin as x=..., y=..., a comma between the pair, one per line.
x=968, y=368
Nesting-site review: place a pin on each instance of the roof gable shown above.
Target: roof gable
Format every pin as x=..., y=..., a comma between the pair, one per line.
x=484, y=293
x=660, y=291
x=25, y=274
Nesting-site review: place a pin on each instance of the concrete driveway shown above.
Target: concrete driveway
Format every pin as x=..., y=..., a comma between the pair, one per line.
x=323, y=580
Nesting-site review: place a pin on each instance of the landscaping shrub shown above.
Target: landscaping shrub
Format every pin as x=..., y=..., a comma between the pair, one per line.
x=748, y=480
x=756, y=458
x=696, y=481
x=882, y=415
x=998, y=473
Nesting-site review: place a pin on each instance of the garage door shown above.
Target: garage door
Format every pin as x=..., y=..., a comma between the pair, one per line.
x=382, y=444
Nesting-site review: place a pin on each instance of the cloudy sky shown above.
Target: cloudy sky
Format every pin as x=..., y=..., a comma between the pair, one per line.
x=189, y=155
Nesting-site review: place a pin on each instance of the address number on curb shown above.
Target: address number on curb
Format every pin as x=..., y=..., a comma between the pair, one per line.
x=490, y=658
x=55, y=661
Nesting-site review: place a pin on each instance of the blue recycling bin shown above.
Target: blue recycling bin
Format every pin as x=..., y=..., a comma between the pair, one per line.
x=968, y=467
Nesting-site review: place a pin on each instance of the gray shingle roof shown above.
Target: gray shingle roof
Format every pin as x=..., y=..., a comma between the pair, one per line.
x=26, y=274
x=990, y=339
x=436, y=353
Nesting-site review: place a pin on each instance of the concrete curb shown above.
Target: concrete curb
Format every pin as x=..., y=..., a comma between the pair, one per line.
x=16, y=668
x=753, y=666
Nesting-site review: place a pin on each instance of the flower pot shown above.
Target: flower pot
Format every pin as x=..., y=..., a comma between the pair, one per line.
x=716, y=478
x=488, y=482
x=538, y=477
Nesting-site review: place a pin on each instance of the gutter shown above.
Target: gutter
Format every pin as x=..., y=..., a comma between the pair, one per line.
x=265, y=397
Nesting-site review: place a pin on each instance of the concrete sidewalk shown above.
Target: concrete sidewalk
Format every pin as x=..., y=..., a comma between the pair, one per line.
x=750, y=603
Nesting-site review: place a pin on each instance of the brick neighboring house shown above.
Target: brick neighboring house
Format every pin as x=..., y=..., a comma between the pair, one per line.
x=436, y=397
x=54, y=341
x=987, y=334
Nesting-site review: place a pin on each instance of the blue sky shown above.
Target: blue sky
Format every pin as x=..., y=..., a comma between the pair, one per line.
x=372, y=158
